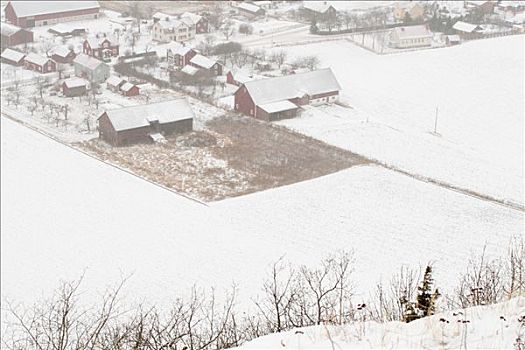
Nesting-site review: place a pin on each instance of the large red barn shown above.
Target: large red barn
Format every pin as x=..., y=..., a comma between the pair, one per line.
x=27, y=14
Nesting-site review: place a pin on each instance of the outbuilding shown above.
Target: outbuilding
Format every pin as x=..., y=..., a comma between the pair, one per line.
x=145, y=123
x=129, y=89
x=39, y=63
x=410, y=37
x=74, y=86
x=250, y=10
x=13, y=57
x=203, y=62
x=114, y=83
x=12, y=35
x=63, y=54
x=90, y=68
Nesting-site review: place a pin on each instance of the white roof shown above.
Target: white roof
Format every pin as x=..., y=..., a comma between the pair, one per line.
x=95, y=42
x=190, y=70
x=127, y=86
x=75, y=82
x=177, y=48
x=36, y=59
x=87, y=61
x=465, y=27
x=513, y=3
x=241, y=76
x=248, y=7
x=12, y=55
x=66, y=28
x=8, y=29
x=278, y=106
x=156, y=137
x=202, y=61
x=413, y=32
x=33, y=8
x=61, y=51
x=137, y=116
x=453, y=37
x=290, y=86
x=171, y=22
x=194, y=18
x=316, y=6
x=262, y=2
x=114, y=80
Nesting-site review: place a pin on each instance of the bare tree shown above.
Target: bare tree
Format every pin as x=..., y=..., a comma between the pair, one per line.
x=227, y=29
x=514, y=265
x=278, y=57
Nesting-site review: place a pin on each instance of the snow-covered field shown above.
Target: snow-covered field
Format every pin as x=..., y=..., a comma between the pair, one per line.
x=485, y=330
x=477, y=87
x=64, y=213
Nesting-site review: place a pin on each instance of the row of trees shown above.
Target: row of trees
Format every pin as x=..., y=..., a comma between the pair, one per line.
x=291, y=296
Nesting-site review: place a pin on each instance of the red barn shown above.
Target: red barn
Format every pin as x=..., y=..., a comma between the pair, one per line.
x=129, y=89
x=74, y=86
x=145, y=123
x=39, y=63
x=13, y=35
x=103, y=47
x=27, y=14
x=279, y=98
x=63, y=54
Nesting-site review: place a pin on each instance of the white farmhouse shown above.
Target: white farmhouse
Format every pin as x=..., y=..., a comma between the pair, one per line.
x=169, y=28
x=409, y=37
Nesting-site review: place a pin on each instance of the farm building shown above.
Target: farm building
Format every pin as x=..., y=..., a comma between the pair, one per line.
x=411, y=36
x=264, y=4
x=27, y=14
x=452, y=40
x=12, y=35
x=200, y=22
x=316, y=11
x=250, y=10
x=485, y=7
x=414, y=11
x=145, y=123
x=114, y=83
x=239, y=77
x=39, y=63
x=203, y=62
x=13, y=57
x=65, y=30
x=179, y=55
x=63, y=54
x=467, y=30
x=74, y=86
x=169, y=28
x=101, y=47
x=278, y=98
x=190, y=70
x=90, y=68
x=129, y=89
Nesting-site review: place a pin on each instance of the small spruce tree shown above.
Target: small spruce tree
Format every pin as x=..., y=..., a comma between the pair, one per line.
x=425, y=304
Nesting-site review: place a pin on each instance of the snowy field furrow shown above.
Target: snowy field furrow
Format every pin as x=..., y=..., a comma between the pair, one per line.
x=64, y=213
x=477, y=87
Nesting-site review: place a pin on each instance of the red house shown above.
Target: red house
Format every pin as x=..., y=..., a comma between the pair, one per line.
x=201, y=23
x=74, y=86
x=27, y=14
x=13, y=57
x=203, y=62
x=238, y=77
x=63, y=54
x=279, y=98
x=129, y=89
x=179, y=55
x=39, y=63
x=103, y=47
x=13, y=35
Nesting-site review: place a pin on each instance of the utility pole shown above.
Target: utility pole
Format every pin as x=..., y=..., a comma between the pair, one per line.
x=436, y=121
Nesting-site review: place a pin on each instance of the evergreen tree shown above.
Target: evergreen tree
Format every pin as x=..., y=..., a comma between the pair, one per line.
x=313, y=27
x=425, y=304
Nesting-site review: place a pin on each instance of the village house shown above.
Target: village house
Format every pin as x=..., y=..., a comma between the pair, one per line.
x=27, y=14
x=402, y=9
x=101, y=47
x=452, y=40
x=190, y=70
x=13, y=57
x=203, y=62
x=12, y=35
x=114, y=83
x=316, y=11
x=169, y=28
x=467, y=31
x=484, y=7
x=179, y=55
x=410, y=37
x=281, y=97
x=510, y=7
x=201, y=23
x=63, y=55
x=249, y=10
x=128, y=89
x=145, y=123
x=74, y=86
x=90, y=68
x=39, y=63
x=239, y=76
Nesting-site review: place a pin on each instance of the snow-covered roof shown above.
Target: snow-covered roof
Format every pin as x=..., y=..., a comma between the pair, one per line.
x=278, y=106
x=172, y=22
x=177, y=48
x=87, y=61
x=12, y=55
x=114, y=80
x=513, y=3
x=137, y=116
x=190, y=70
x=95, y=42
x=290, y=86
x=127, y=86
x=466, y=27
x=194, y=18
x=241, y=76
x=453, y=38
x=64, y=28
x=248, y=7
x=412, y=32
x=74, y=82
x=202, y=61
x=262, y=3
x=8, y=29
x=36, y=59
x=61, y=51
x=157, y=137
x=33, y=8
x=316, y=6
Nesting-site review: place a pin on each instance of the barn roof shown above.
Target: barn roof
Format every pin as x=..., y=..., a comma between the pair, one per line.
x=194, y=18
x=36, y=59
x=88, y=61
x=290, y=86
x=139, y=116
x=202, y=61
x=413, y=32
x=65, y=28
x=34, y=8
x=12, y=55
x=8, y=29
x=127, y=86
x=249, y=7
x=279, y=106
x=74, y=82
x=466, y=27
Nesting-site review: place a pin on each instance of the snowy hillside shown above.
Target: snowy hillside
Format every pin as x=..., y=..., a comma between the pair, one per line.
x=64, y=212
x=486, y=330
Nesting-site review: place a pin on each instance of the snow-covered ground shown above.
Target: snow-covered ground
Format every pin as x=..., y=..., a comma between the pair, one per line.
x=64, y=213
x=485, y=330
x=477, y=87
